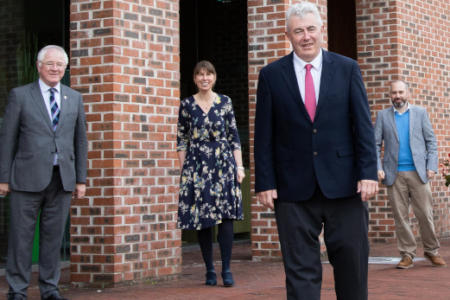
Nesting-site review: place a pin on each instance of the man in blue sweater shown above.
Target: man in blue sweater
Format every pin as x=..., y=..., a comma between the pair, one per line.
x=410, y=160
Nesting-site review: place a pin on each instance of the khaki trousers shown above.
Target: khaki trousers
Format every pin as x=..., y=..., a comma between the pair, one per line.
x=408, y=186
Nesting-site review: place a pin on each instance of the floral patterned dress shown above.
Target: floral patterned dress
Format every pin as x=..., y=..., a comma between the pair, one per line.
x=209, y=190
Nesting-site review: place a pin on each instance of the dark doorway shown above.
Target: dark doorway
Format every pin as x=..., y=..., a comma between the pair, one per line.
x=216, y=30
x=49, y=20
x=342, y=27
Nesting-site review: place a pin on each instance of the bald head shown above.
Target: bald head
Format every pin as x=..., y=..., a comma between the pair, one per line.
x=399, y=94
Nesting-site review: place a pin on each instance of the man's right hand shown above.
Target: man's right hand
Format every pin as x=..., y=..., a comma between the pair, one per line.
x=4, y=189
x=266, y=198
x=380, y=174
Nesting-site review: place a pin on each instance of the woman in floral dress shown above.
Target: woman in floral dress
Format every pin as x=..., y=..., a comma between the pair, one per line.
x=210, y=157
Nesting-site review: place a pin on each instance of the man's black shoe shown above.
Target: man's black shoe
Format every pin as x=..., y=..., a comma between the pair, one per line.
x=54, y=296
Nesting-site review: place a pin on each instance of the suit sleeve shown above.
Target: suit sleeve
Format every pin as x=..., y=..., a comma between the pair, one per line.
x=366, y=158
x=80, y=144
x=9, y=136
x=430, y=143
x=379, y=139
x=263, y=145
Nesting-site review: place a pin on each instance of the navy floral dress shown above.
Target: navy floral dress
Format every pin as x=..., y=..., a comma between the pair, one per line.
x=209, y=190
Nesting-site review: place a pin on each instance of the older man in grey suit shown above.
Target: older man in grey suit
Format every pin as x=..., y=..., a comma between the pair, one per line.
x=410, y=160
x=43, y=157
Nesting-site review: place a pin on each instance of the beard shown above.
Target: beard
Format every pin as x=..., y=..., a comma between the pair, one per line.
x=399, y=103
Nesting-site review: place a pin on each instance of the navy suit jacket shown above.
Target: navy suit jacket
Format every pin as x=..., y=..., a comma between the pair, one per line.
x=292, y=154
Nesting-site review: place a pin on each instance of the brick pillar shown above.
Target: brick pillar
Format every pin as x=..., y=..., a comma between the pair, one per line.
x=377, y=57
x=267, y=43
x=407, y=41
x=125, y=61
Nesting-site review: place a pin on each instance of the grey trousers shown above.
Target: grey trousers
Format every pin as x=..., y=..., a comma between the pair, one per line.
x=54, y=204
x=408, y=188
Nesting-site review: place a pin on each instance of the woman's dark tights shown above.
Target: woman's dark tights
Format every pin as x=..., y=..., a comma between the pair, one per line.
x=225, y=239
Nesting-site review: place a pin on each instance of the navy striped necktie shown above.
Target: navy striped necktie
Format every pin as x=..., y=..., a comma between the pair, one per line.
x=54, y=108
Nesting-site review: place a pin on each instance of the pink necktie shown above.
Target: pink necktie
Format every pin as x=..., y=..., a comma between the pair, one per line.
x=310, y=93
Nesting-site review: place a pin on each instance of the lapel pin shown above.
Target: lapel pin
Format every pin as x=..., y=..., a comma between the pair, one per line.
x=65, y=97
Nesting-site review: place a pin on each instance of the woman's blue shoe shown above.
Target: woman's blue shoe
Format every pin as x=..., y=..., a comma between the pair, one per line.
x=227, y=279
x=211, y=278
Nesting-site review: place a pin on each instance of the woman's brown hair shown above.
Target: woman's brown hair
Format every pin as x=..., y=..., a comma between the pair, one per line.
x=206, y=65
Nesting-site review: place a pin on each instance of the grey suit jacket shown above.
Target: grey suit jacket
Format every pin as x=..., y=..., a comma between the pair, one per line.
x=422, y=143
x=28, y=142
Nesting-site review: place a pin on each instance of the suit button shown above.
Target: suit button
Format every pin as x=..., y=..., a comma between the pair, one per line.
x=315, y=153
x=314, y=130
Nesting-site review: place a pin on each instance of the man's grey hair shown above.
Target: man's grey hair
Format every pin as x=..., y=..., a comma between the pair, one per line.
x=301, y=10
x=43, y=52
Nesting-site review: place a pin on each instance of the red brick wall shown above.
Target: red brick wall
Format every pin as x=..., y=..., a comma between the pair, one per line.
x=125, y=60
x=377, y=55
x=409, y=41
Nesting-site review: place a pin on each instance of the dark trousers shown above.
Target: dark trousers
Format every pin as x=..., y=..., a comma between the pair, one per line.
x=345, y=224
x=54, y=204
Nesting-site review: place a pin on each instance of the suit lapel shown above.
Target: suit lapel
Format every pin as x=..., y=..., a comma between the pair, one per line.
x=292, y=82
x=412, y=117
x=64, y=105
x=391, y=122
x=325, y=80
x=38, y=100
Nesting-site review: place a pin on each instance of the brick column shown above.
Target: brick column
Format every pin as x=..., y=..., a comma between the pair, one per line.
x=125, y=61
x=267, y=43
x=378, y=59
x=407, y=41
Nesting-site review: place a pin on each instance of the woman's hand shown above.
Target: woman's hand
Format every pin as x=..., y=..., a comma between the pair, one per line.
x=240, y=174
x=240, y=168
x=181, y=157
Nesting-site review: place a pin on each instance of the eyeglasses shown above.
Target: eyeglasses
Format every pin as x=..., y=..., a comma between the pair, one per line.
x=51, y=64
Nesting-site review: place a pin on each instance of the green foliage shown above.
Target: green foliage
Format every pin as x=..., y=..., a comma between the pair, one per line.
x=26, y=59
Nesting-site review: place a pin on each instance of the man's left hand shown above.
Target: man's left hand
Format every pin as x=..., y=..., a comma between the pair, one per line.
x=430, y=174
x=80, y=191
x=4, y=189
x=367, y=188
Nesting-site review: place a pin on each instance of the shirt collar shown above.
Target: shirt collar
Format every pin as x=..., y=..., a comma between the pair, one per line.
x=406, y=110
x=45, y=87
x=316, y=62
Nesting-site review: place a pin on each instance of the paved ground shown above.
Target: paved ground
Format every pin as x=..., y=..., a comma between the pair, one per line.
x=265, y=280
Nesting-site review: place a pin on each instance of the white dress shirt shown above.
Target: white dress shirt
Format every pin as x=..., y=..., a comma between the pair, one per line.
x=316, y=72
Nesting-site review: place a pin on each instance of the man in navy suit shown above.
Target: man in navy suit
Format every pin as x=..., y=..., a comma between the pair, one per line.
x=315, y=159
